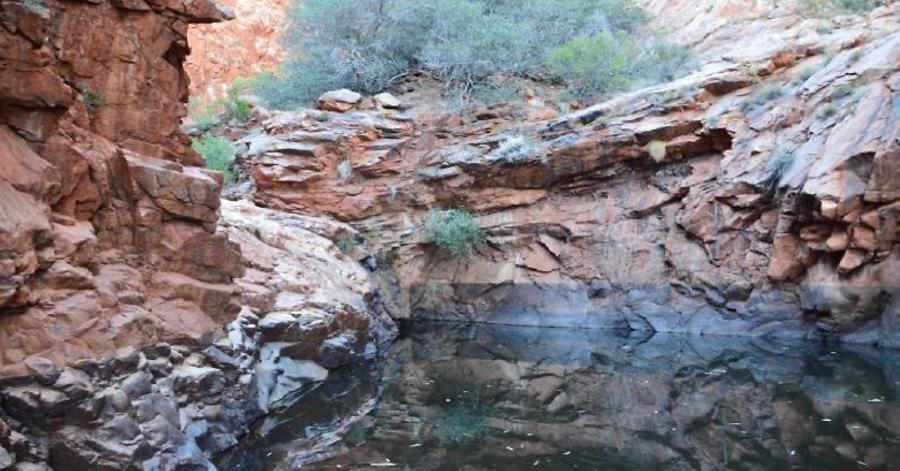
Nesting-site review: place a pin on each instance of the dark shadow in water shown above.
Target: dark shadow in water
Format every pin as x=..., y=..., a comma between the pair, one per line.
x=459, y=397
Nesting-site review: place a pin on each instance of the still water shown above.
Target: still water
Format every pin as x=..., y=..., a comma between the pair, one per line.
x=453, y=397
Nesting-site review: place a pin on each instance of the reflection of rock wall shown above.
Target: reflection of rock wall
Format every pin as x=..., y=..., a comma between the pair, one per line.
x=665, y=401
x=769, y=213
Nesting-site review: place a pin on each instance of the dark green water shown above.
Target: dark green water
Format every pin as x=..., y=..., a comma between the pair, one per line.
x=450, y=397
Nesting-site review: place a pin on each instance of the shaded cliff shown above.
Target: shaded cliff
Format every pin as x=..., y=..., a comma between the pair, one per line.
x=109, y=237
x=756, y=196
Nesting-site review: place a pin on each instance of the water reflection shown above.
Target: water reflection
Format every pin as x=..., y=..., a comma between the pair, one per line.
x=496, y=397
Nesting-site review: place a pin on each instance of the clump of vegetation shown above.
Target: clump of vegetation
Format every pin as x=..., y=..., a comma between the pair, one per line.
x=471, y=46
x=840, y=93
x=347, y=244
x=207, y=115
x=804, y=74
x=601, y=122
x=826, y=111
x=751, y=69
x=763, y=95
x=93, y=99
x=515, y=150
x=236, y=107
x=345, y=170
x=217, y=152
x=204, y=114
x=657, y=150
x=779, y=163
x=454, y=230
x=826, y=8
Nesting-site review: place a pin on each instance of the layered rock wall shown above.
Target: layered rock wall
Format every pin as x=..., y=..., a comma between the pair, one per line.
x=757, y=196
x=107, y=225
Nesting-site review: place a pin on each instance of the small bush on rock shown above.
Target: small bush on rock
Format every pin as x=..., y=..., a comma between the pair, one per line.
x=779, y=163
x=454, y=230
x=824, y=8
x=515, y=149
x=217, y=152
x=93, y=99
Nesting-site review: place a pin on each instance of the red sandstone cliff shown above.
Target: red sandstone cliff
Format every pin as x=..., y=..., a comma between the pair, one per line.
x=108, y=233
x=223, y=52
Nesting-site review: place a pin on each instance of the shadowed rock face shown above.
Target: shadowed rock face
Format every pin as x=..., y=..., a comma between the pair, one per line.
x=107, y=231
x=501, y=397
x=710, y=204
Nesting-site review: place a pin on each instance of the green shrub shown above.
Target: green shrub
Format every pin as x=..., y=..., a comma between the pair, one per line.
x=369, y=45
x=515, y=149
x=454, y=230
x=597, y=64
x=204, y=114
x=217, y=152
x=805, y=74
x=236, y=107
x=826, y=111
x=347, y=244
x=93, y=99
x=764, y=94
x=779, y=163
x=824, y=8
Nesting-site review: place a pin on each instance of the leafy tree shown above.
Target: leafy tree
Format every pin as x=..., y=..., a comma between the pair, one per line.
x=369, y=45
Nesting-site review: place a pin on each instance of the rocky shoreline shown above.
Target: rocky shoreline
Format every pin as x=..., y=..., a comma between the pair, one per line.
x=145, y=323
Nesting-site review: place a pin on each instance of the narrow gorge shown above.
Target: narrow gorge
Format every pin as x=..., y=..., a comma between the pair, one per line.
x=700, y=273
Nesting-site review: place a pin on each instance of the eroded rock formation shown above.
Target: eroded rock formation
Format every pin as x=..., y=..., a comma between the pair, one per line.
x=142, y=324
x=757, y=196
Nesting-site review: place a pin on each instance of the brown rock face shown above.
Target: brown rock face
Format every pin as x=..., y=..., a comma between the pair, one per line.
x=689, y=207
x=97, y=191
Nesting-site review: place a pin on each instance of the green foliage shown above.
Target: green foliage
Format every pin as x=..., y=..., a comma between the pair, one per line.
x=347, y=244
x=841, y=92
x=595, y=64
x=805, y=74
x=369, y=45
x=454, y=230
x=234, y=106
x=217, y=152
x=204, y=114
x=826, y=111
x=750, y=69
x=779, y=162
x=764, y=94
x=93, y=99
x=505, y=92
x=516, y=149
x=825, y=8
x=207, y=115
